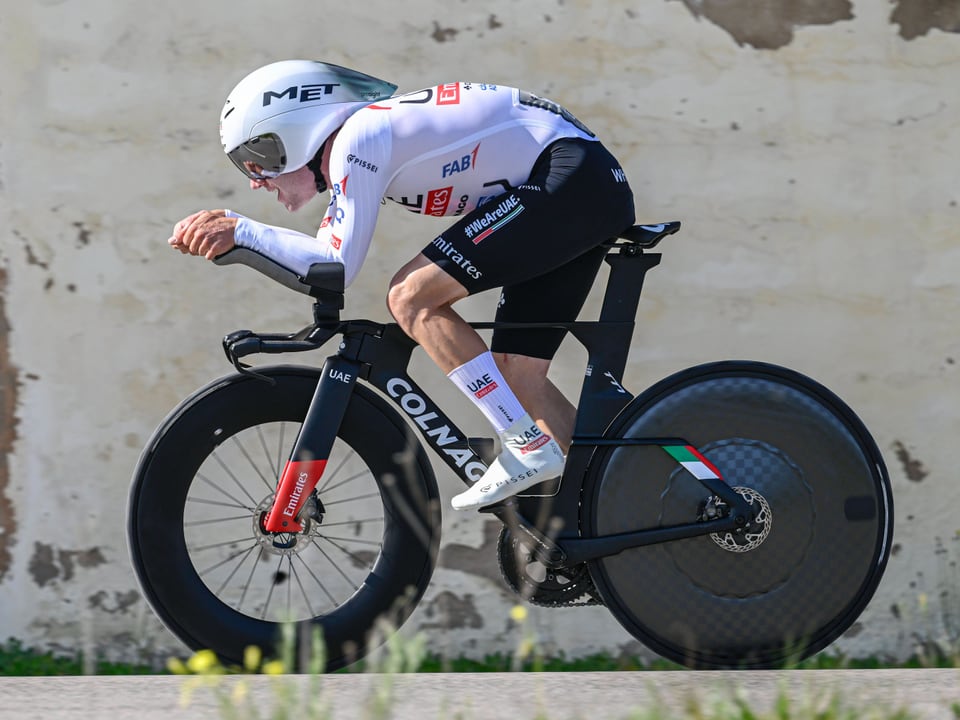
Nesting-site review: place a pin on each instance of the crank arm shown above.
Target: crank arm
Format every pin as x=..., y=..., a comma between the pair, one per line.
x=546, y=551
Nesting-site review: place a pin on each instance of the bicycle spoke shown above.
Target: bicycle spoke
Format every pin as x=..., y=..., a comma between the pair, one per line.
x=219, y=489
x=332, y=475
x=343, y=482
x=274, y=469
x=354, y=522
x=225, y=543
x=216, y=456
x=289, y=584
x=197, y=523
x=246, y=586
x=320, y=583
x=336, y=566
x=256, y=468
x=306, y=598
x=233, y=572
x=217, y=503
x=358, y=497
x=356, y=558
x=240, y=579
x=273, y=585
x=280, y=457
x=353, y=540
x=223, y=562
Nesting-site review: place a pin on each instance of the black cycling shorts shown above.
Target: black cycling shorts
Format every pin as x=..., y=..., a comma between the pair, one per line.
x=539, y=242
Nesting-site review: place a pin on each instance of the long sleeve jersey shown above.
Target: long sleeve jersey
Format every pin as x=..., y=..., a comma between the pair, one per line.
x=441, y=151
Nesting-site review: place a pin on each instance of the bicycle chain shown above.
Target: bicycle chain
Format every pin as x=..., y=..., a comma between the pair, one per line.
x=514, y=558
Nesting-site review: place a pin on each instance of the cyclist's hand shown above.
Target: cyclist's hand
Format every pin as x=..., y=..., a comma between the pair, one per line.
x=209, y=233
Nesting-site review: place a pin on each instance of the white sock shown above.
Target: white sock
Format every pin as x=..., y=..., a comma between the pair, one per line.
x=481, y=381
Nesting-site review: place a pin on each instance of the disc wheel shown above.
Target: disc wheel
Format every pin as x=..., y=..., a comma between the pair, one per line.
x=799, y=574
x=219, y=581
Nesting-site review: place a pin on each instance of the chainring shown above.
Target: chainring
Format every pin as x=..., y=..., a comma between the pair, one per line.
x=536, y=583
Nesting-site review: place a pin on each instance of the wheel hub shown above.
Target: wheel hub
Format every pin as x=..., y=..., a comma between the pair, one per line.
x=287, y=543
x=754, y=532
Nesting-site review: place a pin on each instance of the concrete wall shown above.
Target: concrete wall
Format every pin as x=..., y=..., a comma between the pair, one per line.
x=810, y=147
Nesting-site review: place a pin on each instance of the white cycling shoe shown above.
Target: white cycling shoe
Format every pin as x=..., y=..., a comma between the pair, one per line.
x=529, y=457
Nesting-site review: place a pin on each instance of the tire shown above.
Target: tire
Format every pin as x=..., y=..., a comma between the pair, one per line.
x=217, y=582
x=707, y=603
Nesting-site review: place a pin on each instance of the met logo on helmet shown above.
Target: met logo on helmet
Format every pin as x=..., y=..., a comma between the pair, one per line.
x=305, y=93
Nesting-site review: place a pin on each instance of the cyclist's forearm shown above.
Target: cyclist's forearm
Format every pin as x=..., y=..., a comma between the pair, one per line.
x=294, y=250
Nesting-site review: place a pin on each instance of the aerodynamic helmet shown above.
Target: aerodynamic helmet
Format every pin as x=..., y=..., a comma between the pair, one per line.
x=277, y=118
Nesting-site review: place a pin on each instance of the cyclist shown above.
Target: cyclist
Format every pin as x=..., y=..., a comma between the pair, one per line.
x=534, y=193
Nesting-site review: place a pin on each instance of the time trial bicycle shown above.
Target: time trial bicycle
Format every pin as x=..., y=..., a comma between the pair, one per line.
x=734, y=515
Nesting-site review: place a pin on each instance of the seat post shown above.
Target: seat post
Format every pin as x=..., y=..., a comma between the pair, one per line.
x=608, y=341
x=627, y=271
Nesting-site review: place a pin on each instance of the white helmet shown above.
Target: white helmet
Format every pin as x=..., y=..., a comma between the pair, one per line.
x=277, y=118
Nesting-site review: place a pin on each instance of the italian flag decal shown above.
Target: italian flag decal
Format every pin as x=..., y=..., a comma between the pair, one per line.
x=693, y=462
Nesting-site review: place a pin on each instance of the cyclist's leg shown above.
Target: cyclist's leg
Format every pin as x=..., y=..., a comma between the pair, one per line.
x=528, y=232
x=420, y=299
x=549, y=408
x=524, y=356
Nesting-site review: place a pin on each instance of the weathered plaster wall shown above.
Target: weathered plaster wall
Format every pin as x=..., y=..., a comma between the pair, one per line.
x=8, y=428
x=810, y=148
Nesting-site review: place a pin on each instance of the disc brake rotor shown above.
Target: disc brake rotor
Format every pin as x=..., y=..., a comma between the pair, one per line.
x=284, y=543
x=755, y=532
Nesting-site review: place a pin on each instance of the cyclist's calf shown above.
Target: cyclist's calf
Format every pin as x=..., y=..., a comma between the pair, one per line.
x=527, y=376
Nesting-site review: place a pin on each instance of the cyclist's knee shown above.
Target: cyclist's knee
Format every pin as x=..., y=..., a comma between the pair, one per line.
x=420, y=287
x=410, y=297
x=402, y=301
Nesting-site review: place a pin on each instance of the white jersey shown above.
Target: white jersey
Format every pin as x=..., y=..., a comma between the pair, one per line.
x=441, y=151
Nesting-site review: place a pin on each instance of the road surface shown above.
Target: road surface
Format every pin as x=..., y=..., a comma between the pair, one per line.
x=927, y=694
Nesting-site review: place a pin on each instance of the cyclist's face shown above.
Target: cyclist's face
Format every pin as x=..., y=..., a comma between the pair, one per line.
x=294, y=190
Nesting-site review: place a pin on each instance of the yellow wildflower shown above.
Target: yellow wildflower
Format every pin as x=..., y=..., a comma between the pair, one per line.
x=252, y=658
x=274, y=667
x=176, y=666
x=202, y=661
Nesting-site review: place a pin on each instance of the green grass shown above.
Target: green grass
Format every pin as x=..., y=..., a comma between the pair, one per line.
x=502, y=662
x=602, y=662
x=17, y=660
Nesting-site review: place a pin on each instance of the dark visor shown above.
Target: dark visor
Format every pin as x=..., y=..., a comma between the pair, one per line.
x=260, y=157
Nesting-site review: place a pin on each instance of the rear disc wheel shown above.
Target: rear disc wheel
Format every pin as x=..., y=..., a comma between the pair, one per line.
x=797, y=576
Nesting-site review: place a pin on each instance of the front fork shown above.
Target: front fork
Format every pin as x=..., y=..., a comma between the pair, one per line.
x=312, y=448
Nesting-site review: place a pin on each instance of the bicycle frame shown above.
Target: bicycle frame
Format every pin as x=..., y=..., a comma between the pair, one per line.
x=379, y=354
